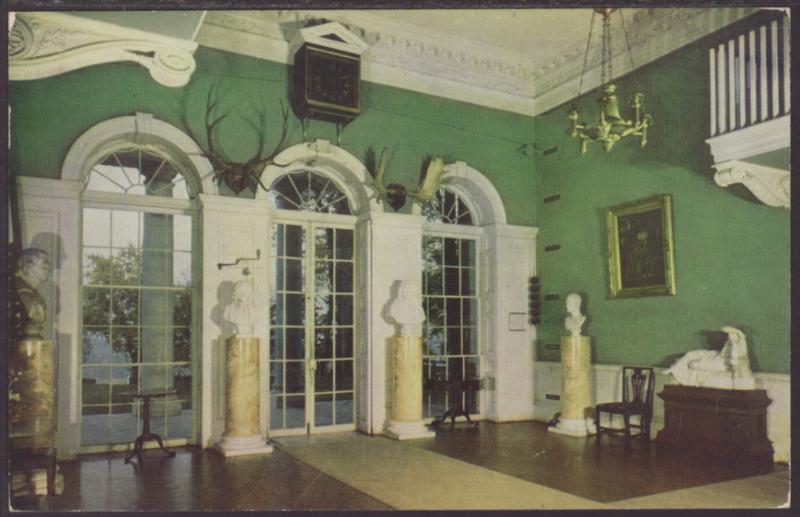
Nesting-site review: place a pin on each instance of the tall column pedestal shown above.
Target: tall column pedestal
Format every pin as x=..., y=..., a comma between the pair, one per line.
x=242, y=430
x=576, y=387
x=406, y=422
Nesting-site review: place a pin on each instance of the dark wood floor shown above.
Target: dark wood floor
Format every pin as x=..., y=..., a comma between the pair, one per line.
x=603, y=471
x=198, y=480
x=203, y=480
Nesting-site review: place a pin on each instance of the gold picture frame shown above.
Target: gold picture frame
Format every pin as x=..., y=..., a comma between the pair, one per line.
x=640, y=248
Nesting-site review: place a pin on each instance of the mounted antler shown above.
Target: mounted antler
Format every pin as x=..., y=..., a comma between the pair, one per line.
x=236, y=175
x=394, y=193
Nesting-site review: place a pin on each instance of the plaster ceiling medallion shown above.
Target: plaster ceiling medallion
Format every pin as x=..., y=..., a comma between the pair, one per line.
x=46, y=44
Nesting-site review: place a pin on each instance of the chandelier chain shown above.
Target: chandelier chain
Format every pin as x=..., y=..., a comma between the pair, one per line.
x=627, y=41
x=606, y=63
x=586, y=54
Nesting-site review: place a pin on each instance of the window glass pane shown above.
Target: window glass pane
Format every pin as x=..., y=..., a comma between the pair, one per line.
x=323, y=309
x=278, y=272
x=344, y=277
x=95, y=385
x=295, y=343
x=124, y=266
x=295, y=309
x=467, y=252
x=96, y=227
x=125, y=305
x=344, y=244
x=95, y=425
x=96, y=266
x=276, y=412
x=295, y=377
x=323, y=410
x=182, y=308
x=276, y=309
x=96, y=346
x=182, y=269
x=344, y=375
x=182, y=344
x=344, y=310
x=344, y=342
x=448, y=208
x=344, y=408
x=323, y=343
x=276, y=377
x=182, y=232
x=451, y=280
x=453, y=341
x=295, y=275
x=323, y=377
x=451, y=252
x=469, y=311
x=125, y=229
x=124, y=423
x=276, y=343
x=125, y=346
x=470, y=340
x=453, y=317
x=96, y=306
x=295, y=412
x=295, y=243
x=323, y=242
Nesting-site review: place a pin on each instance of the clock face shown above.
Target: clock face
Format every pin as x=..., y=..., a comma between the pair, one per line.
x=332, y=78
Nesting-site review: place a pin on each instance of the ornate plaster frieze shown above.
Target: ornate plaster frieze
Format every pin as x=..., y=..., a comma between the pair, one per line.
x=48, y=43
x=455, y=66
x=770, y=185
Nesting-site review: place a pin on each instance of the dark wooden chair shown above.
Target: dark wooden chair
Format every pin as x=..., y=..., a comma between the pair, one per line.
x=638, y=384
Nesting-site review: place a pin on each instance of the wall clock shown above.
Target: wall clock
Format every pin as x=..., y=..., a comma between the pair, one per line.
x=326, y=84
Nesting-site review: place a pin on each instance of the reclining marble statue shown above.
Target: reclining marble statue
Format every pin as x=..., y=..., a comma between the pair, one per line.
x=728, y=368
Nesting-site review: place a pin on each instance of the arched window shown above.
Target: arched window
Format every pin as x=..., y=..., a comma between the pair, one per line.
x=447, y=207
x=137, y=171
x=139, y=281
x=312, y=305
x=451, y=345
x=309, y=191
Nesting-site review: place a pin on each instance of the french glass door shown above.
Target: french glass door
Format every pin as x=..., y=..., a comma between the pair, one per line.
x=311, y=328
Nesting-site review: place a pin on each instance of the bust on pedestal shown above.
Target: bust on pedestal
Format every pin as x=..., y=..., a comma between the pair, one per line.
x=32, y=380
x=242, y=428
x=406, y=310
x=576, y=376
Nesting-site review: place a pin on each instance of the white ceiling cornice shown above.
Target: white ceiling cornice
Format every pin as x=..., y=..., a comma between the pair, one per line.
x=456, y=66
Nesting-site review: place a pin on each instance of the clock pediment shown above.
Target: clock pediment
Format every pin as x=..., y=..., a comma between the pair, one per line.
x=332, y=35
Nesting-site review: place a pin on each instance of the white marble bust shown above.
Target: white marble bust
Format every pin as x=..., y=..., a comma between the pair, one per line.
x=728, y=368
x=406, y=309
x=240, y=312
x=574, y=320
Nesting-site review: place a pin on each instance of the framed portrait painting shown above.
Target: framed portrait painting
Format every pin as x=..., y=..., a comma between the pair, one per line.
x=640, y=248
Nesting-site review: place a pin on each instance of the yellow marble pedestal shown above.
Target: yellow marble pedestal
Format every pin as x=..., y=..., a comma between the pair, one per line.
x=576, y=387
x=406, y=422
x=32, y=385
x=242, y=430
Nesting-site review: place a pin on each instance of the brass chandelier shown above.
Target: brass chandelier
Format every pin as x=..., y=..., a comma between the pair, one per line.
x=611, y=126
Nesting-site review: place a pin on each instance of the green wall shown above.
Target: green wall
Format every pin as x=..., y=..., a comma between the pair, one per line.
x=49, y=114
x=731, y=253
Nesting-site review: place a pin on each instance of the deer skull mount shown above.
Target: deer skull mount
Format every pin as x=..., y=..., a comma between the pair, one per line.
x=238, y=175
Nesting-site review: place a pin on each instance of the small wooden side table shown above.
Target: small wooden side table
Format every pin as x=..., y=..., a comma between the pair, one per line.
x=455, y=388
x=147, y=435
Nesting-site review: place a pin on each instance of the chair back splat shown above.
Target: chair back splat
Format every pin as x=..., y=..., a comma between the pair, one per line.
x=638, y=385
